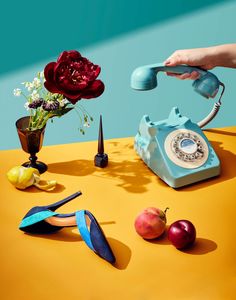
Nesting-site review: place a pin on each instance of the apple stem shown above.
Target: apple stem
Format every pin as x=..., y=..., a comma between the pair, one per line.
x=166, y=210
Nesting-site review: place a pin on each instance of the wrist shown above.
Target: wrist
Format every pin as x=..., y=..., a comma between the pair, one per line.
x=214, y=56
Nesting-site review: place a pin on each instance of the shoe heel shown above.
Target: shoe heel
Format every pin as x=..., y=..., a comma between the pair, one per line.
x=58, y=204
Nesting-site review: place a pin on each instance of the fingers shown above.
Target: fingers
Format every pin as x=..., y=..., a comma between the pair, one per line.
x=170, y=62
x=177, y=58
x=179, y=76
x=193, y=76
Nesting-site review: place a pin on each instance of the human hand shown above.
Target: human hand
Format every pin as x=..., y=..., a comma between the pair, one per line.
x=199, y=57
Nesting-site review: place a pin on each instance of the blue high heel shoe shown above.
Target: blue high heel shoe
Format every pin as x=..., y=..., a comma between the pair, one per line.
x=44, y=220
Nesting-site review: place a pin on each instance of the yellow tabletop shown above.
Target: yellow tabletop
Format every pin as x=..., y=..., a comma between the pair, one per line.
x=61, y=266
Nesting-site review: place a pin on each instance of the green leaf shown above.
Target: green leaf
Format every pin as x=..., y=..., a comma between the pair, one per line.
x=60, y=112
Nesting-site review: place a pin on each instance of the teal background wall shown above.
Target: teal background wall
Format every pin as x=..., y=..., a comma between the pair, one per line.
x=119, y=36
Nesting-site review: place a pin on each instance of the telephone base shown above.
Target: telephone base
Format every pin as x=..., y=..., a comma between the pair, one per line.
x=176, y=150
x=192, y=178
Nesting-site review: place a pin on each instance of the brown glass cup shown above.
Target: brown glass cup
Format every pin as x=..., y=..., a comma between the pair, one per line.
x=31, y=142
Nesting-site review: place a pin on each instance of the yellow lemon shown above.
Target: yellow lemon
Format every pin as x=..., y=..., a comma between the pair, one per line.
x=22, y=177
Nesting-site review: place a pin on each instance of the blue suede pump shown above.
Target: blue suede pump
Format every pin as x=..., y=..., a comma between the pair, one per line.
x=35, y=222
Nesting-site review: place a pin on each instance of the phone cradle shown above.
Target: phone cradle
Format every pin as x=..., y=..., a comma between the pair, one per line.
x=176, y=150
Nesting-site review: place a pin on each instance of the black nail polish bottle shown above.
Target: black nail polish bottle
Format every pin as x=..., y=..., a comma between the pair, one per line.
x=101, y=158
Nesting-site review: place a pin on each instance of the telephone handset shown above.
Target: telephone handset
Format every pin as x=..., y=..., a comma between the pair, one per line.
x=176, y=149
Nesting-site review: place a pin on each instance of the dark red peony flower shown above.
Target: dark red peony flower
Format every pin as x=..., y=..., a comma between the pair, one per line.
x=73, y=76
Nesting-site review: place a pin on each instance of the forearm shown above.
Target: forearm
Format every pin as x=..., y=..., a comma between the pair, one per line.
x=223, y=55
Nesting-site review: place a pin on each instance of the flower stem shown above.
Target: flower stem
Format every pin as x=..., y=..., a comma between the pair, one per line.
x=85, y=112
x=41, y=121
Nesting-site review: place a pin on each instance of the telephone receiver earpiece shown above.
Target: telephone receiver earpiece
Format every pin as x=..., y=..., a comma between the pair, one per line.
x=145, y=78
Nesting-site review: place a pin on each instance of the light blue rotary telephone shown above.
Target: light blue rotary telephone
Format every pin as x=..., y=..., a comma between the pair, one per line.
x=176, y=149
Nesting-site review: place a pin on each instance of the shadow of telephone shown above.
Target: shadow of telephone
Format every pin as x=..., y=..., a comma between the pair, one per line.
x=176, y=149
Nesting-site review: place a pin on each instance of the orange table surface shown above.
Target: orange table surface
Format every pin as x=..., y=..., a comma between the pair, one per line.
x=61, y=266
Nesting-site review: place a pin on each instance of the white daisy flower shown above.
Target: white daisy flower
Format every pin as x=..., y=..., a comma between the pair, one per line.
x=36, y=83
x=26, y=105
x=34, y=95
x=29, y=86
x=17, y=92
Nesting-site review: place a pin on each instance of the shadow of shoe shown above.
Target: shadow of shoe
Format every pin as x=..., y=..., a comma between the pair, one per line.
x=120, y=250
x=67, y=234
x=122, y=253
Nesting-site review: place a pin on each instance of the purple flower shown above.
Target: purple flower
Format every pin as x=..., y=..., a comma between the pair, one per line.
x=50, y=105
x=36, y=103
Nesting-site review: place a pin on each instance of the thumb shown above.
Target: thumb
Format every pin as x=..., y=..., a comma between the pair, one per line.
x=175, y=60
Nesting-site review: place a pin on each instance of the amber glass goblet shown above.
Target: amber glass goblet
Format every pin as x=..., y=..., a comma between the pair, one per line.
x=31, y=142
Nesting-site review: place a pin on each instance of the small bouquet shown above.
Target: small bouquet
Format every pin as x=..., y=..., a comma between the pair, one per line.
x=57, y=90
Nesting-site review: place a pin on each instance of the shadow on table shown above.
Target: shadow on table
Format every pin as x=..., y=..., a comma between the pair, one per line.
x=201, y=245
x=133, y=176
x=120, y=250
x=82, y=167
x=64, y=235
x=32, y=189
x=221, y=131
x=122, y=253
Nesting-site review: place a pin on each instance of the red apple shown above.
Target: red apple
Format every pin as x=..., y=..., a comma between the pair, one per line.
x=182, y=234
x=150, y=223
